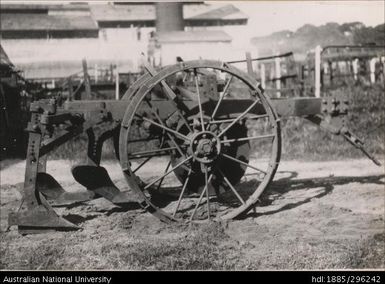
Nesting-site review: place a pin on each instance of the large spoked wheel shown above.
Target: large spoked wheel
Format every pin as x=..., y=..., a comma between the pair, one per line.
x=213, y=126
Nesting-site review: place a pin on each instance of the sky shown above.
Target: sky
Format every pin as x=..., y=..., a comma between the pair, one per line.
x=266, y=17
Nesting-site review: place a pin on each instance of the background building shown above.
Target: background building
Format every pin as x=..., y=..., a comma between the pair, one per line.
x=50, y=40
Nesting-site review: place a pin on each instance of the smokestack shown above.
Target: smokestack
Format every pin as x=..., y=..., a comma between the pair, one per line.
x=169, y=16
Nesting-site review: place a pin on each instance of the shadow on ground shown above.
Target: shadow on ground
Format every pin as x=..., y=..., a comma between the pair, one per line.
x=325, y=185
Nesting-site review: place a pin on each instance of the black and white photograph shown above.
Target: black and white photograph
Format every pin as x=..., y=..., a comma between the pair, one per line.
x=192, y=136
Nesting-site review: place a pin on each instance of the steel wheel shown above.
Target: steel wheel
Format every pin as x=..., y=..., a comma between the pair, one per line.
x=208, y=131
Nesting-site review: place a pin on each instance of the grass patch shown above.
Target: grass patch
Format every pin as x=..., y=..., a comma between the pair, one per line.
x=199, y=249
x=196, y=248
x=368, y=254
x=302, y=139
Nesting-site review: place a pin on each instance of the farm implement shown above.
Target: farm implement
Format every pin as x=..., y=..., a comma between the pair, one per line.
x=200, y=125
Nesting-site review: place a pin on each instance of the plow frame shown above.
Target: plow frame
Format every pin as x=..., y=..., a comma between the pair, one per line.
x=52, y=125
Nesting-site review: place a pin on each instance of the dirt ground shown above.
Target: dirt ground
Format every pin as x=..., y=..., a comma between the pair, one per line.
x=315, y=215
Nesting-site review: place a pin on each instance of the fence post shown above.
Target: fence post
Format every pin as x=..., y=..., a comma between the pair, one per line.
x=96, y=72
x=263, y=76
x=278, y=76
x=249, y=64
x=317, y=70
x=373, y=70
x=117, y=96
x=87, y=83
x=382, y=60
x=70, y=89
x=355, y=68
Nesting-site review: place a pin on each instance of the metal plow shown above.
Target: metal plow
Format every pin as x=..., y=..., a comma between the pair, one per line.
x=205, y=122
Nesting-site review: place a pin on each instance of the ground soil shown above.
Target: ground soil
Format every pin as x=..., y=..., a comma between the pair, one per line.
x=315, y=215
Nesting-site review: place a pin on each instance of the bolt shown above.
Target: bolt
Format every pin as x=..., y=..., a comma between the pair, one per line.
x=206, y=148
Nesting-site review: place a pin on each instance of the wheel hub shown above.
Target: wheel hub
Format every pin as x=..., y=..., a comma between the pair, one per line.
x=205, y=147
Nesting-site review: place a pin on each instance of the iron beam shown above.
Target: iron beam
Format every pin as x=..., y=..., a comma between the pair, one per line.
x=285, y=107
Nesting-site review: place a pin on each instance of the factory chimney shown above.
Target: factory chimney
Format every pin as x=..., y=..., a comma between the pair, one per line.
x=169, y=16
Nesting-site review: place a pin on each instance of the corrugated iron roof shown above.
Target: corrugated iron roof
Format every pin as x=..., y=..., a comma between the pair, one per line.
x=26, y=6
x=43, y=22
x=213, y=12
x=123, y=12
x=140, y=12
x=193, y=36
x=103, y=13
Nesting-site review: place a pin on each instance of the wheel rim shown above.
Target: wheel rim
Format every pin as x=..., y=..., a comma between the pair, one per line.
x=206, y=149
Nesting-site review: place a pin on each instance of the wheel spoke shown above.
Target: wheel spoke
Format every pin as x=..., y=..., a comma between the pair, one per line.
x=168, y=134
x=231, y=187
x=198, y=159
x=170, y=171
x=169, y=92
x=239, y=117
x=142, y=164
x=153, y=152
x=165, y=171
x=199, y=99
x=164, y=127
x=224, y=93
x=200, y=197
x=181, y=194
x=207, y=195
x=242, y=163
x=248, y=138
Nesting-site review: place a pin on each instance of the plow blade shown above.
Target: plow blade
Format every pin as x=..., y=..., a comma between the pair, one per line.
x=124, y=198
x=56, y=195
x=38, y=219
x=48, y=186
x=97, y=180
